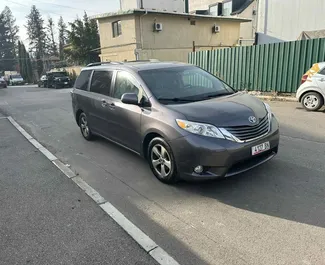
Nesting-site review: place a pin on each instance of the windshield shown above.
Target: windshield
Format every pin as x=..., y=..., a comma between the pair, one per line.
x=61, y=74
x=183, y=84
x=16, y=76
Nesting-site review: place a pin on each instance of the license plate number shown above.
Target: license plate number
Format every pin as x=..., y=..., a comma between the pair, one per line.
x=65, y=83
x=257, y=149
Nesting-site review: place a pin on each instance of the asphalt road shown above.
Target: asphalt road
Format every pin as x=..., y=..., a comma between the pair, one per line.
x=274, y=214
x=46, y=219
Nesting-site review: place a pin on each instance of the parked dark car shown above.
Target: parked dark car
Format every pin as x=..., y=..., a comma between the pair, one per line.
x=3, y=83
x=184, y=121
x=55, y=80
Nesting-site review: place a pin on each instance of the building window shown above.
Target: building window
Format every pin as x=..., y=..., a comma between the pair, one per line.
x=227, y=8
x=116, y=28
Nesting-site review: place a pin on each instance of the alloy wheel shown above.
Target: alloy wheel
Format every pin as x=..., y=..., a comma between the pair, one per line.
x=311, y=101
x=161, y=160
x=84, y=126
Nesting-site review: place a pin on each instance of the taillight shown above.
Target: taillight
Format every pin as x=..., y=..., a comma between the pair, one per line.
x=304, y=79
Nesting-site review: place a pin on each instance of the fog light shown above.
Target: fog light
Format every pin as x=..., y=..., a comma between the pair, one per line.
x=198, y=169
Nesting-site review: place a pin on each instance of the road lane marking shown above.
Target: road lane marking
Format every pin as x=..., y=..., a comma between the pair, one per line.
x=67, y=171
x=19, y=128
x=155, y=251
x=92, y=193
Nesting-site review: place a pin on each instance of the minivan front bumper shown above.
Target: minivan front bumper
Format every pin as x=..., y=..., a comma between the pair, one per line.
x=220, y=158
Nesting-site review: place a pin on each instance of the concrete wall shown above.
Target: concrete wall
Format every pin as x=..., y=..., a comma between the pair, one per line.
x=121, y=47
x=201, y=4
x=129, y=4
x=163, y=5
x=176, y=39
x=287, y=19
x=248, y=29
x=74, y=70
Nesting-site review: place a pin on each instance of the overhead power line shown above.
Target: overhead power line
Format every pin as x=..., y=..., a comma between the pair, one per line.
x=70, y=7
x=45, y=11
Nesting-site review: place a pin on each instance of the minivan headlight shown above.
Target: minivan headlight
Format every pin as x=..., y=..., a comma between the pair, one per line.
x=268, y=108
x=200, y=128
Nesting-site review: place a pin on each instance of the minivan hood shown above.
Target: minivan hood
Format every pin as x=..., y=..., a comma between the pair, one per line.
x=233, y=110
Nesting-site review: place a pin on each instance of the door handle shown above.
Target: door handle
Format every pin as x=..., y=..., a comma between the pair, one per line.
x=111, y=105
x=104, y=102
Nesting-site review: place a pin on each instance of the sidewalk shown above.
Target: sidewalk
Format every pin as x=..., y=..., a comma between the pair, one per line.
x=46, y=219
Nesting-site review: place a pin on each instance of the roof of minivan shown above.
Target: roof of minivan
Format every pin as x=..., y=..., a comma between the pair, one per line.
x=137, y=66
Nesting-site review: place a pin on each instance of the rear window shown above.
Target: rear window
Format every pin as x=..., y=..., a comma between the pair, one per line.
x=322, y=72
x=83, y=80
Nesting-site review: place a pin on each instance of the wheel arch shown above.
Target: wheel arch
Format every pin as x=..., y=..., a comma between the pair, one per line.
x=314, y=91
x=147, y=139
x=78, y=113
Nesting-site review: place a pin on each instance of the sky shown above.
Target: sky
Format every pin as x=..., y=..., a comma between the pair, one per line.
x=69, y=10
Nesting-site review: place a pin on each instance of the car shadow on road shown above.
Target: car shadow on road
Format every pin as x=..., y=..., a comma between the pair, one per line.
x=291, y=186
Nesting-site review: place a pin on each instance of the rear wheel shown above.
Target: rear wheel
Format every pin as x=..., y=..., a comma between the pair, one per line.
x=312, y=101
x=84, y=128
x=161, y=161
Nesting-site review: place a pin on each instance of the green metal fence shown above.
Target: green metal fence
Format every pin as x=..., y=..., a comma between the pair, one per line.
x=271, y=67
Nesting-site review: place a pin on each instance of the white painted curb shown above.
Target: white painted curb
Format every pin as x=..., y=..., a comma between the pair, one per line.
x=156, y=252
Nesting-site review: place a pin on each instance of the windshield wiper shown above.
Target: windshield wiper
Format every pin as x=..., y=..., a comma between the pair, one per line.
x=219, y=95
x=177, y=99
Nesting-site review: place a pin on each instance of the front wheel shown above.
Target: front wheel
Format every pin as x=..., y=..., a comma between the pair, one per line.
x=312, y=101
x=161, y=161
x=84, y=128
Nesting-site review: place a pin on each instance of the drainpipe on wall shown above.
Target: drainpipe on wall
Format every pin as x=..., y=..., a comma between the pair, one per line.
x=141, y=29
x=266, y=16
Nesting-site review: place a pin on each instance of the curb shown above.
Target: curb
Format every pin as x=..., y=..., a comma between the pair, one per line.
x=154, y=250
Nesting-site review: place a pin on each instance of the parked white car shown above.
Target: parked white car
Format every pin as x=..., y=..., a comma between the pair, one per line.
x=311, y=92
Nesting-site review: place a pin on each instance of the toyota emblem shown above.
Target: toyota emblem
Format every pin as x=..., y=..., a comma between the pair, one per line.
x=252, y=119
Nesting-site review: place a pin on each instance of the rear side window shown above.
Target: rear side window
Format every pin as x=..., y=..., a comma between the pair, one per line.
x=322, y=72
x=101, y=82
x=82, y=80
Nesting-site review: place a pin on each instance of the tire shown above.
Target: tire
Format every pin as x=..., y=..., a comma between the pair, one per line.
x=161, y=161
x=312, y=101
x=85, y=130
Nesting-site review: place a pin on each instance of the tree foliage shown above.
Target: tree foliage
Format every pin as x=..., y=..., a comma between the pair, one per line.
x=25, y=64
x=52, y=46
x=84, y=40
x=8, y=40
x=62, y=27
x=37, y=37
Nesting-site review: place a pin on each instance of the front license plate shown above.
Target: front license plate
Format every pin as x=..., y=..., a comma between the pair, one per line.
x=65, y=83
x=257, y=149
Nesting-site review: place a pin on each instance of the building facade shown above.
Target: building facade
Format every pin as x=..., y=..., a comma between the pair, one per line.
x=272, y=20
x=143, y=34
x=288, y=19
x=179, y=6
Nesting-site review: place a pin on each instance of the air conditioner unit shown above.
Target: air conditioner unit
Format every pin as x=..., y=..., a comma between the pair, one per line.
x=215, y=29
x=158, y=27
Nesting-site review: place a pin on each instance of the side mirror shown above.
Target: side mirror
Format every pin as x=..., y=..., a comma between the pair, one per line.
x=130, y=98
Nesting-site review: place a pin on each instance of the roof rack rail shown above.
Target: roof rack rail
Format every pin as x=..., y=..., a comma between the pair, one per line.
x=150, y=60
x=102, y=63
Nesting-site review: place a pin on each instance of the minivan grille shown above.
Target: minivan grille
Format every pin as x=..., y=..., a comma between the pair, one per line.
x=246, y=133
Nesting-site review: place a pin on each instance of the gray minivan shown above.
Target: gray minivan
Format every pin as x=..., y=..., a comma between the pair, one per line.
x=185, y=122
